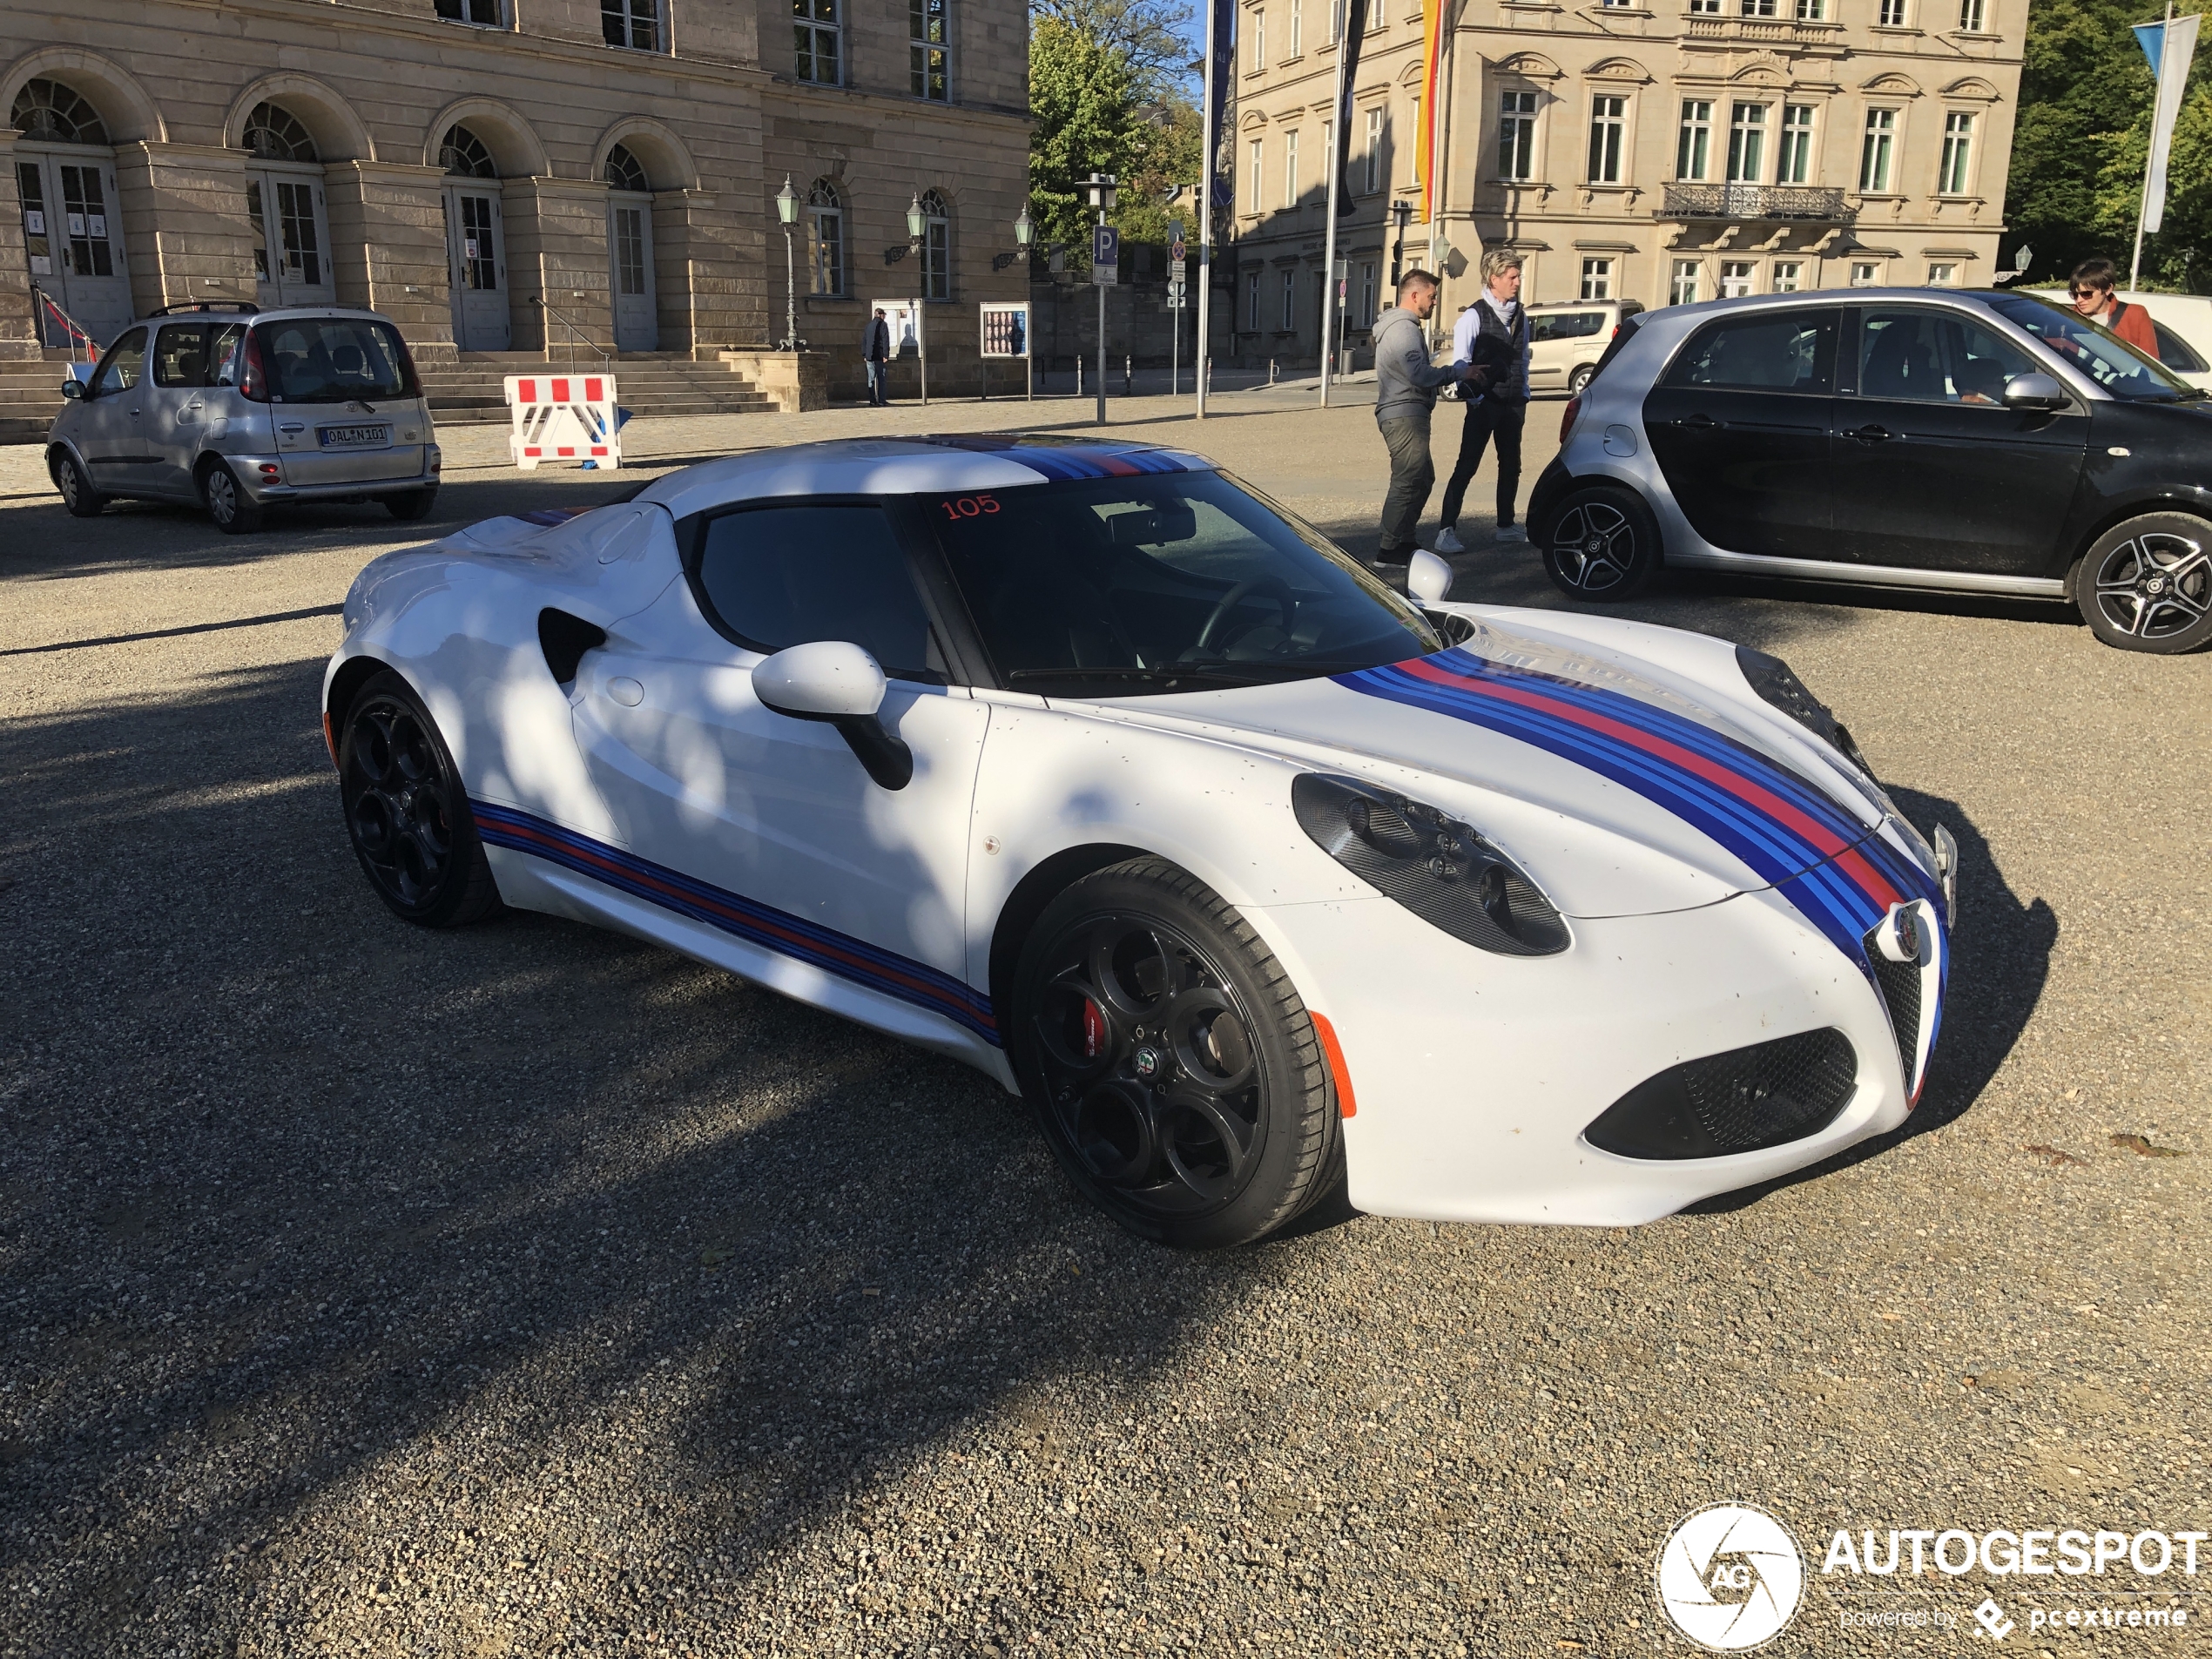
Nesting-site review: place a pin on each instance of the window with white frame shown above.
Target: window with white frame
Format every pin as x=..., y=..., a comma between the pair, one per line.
x=1597, y=279
x=1878, y=154
x=1369, y=291
x=1969, y=16
x=1943, y=273
x=1252, y=302
x=936, y=247
x=1951, y=177
x=1758, y=8
x=1794, y=164
x=1259, y=39
x=1373, y=163
x=1608, y=133
x=1789, y=275
x=1704, y=8
x=1298, y=27
x=929, y=68
x=483, y=13
x=1865, y=273
x=633, y=23
x=1616, y=3
x=1683, y=290
x=1747, y=144
x=1259, y=184
x=1335, y=21
x=1812, y=10
x=1290, y=169
x=819, y=41
x=1693, y=148
x=1737, y=278
x=825, y=227
x=1290, y=301
x=1890, y=14
x=1516, y=135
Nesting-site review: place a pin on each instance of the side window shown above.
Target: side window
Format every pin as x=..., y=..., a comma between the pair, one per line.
x=1763, y=351
x=181, y=354
x=1934, y=357
x=125, y=361
x=775, y=576
x=2177, y=353
x=225, y=360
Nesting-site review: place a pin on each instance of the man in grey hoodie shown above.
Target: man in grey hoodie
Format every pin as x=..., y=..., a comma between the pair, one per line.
x=1406, y=384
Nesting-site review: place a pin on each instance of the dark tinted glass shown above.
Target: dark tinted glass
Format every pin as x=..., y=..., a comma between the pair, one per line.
x=786, y=575
x=124, y=362
x=181, y=354
x=1125, y=586
x=1935, y=357
x=2108, y=361
x=1569, y=325
x=1761, y=351
x=2177, y=353
x=333, y=359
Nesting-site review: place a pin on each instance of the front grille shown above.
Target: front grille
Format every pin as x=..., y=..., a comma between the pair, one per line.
x=1742, y=1100
x=1900, y=984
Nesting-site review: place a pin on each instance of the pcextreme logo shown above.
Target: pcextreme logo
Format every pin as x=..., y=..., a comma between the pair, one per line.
x=1731, y=1577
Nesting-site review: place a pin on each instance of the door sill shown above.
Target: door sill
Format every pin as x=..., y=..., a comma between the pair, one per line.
x=1884, y=575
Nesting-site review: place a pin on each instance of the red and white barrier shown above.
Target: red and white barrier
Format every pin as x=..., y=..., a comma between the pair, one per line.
x=564, y=417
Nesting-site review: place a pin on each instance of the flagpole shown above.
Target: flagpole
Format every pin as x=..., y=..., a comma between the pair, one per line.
x=1208, y=162
x=2143, y=203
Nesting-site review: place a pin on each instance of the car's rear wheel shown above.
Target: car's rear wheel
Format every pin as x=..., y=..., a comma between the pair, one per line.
x=1170, y=1062
x=2146, y=584
x=1601, y=543
x=411, y=505
x=405, y=812
x=78, y=493
x=1579, y=381
x=235, y=512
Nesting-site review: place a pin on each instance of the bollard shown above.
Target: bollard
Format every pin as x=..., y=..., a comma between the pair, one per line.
x=1270, y=371
x=1127, y=375
x=1079, y=376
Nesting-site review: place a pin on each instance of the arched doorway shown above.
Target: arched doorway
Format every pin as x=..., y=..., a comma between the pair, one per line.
x=629, y=252
x=476, y=243
x=71, y=216
x=284, y=200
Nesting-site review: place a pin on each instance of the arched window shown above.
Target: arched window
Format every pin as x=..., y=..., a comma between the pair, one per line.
x=625, y=171
x=50, y=111
x=273, y=134
x=936, y=247
x=825, y=237
x=462, y=152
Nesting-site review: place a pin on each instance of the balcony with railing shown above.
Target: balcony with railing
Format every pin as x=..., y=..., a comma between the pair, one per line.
x=1821, y=202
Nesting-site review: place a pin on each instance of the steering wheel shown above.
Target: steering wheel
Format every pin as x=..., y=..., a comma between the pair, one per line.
x=1272, y=587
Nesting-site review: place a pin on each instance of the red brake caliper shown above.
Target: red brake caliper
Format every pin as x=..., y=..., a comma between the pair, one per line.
x=1094, y=1031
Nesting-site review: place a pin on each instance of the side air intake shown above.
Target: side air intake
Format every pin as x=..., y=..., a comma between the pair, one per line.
x=1744, y=1100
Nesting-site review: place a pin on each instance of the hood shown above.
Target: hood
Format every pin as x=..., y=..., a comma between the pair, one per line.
x=1625, y=785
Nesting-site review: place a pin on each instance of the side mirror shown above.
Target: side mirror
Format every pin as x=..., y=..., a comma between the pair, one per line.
x=2034, y=392
x=1428, y=579
x=841, y=684
x=73, y=388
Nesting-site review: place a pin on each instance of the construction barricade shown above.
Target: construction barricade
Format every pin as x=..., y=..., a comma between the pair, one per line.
x=564, y=417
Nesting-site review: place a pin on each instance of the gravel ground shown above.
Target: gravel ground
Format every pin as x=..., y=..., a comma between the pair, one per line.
x=528, y=1291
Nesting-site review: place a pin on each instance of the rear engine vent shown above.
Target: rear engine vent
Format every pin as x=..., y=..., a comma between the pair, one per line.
x=564, y=639
x=1742, y=1100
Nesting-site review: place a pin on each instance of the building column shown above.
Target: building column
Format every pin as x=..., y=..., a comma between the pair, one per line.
x=557, y=249
x=187, y=233
x=387, y=248
x=19, y=326
x=682, y=253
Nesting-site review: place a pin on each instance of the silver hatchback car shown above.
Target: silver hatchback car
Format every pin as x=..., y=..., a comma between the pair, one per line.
x=241, y=409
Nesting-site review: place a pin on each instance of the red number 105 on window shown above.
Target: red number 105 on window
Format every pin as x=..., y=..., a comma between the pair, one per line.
x=961, y=507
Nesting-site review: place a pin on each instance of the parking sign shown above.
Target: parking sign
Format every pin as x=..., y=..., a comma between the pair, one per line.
x=1105, y=255
x=1177, y=251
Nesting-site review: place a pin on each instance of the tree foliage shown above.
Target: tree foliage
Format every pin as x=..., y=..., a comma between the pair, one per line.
x=1147, y=35
x=2075, y=187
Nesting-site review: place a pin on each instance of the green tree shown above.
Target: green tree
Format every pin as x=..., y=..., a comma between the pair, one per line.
x=1083, y=99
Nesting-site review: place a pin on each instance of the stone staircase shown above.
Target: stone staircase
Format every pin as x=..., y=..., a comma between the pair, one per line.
x=30, y=396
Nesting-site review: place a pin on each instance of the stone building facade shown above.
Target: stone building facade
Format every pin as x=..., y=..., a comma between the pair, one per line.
x=487, y=172
x=1659, y=150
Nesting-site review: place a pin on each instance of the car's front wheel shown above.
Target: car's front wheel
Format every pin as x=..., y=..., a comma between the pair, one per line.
x=2146, y=584
x=407, y=812
x=235, y=512
x=1171, y=1065
x=1601, y=543
x=78, y=493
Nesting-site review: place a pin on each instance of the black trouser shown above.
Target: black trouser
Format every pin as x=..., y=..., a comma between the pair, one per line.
x=1411, y=476
x=1486, y=416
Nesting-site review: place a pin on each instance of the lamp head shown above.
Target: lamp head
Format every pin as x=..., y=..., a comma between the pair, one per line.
x=1025, y=228
x=917, y=221
x=787, y=203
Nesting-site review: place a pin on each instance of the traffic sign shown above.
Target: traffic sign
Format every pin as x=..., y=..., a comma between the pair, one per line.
x=1105, y=255
x=1177, y=251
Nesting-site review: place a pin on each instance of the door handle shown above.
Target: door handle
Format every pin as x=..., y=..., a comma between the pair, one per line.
x=195, y=404
x=1870, y=434
x=1698, y=422
x=294, y=427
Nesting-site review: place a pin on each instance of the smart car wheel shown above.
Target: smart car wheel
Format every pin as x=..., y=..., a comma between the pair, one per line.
x=234, y=512
x=407, y=812
x=78, y=493
x=1601, y=544
x=1172, y=1066
x=2147, y=584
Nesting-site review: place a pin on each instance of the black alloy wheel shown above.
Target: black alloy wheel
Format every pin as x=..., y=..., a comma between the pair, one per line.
x=1601, y=544
x=1173, y=1066
x=235, y=512
x=407, y=813
x=78, y=493
x=2147, y=584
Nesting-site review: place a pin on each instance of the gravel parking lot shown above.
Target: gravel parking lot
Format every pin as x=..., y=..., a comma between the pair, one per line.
x=528, y=1291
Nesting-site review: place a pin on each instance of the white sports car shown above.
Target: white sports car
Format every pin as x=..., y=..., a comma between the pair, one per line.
x=1083, y=763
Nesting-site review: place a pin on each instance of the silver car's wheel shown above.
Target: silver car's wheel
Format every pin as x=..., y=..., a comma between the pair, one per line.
x=78, y=493
x=232, y=509
x=2147, y=584
x=1579, y=381
x=1601, y=544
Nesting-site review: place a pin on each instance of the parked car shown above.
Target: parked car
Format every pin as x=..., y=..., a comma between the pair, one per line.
x=1085, y=765
x=1982, y=443
x=1565, y=341
x=240, y=410
x=2182, y=323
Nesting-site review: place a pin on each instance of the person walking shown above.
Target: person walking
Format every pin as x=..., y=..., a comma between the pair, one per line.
x=875, y=351
x=1406, y=383
x=1492, y=331
x=2091, y=291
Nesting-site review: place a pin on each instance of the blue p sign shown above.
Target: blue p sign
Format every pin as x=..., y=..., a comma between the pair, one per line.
x=1105, y=255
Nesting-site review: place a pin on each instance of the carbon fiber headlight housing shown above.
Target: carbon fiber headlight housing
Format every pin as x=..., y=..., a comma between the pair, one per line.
x=1436, y=867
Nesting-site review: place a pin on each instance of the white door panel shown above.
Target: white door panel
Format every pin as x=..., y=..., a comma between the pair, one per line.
x=476, y=251
x=630, y=252
x=291, y=238
x=72, y=233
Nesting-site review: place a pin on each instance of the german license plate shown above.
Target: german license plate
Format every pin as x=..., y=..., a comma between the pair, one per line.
x=355, y=437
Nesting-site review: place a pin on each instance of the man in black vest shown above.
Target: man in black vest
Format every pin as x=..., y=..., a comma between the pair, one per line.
x=1493, y=335
x=875, y=351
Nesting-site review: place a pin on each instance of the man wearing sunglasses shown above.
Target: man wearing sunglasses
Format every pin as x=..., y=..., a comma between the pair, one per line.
x=2091, y=293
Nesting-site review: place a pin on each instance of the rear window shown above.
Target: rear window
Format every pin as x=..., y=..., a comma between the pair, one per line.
x=2177, y=353
x=1565, y=325
x=333, y=360
x=1761, y=351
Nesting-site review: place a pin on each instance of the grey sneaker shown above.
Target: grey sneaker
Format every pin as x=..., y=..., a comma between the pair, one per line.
x=1512, y=533
x=1447, y=541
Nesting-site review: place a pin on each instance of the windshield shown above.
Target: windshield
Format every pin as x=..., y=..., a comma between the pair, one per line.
x=2105, y=358
x=1176, y=582
x=333, y=360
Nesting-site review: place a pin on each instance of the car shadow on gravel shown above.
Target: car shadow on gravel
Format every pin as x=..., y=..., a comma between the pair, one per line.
x=303, y=1210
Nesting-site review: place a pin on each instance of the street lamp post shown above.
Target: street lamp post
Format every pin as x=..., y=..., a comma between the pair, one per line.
x=1025, y=232
x=787, y=214
x=1102, y=196
x=917, y=226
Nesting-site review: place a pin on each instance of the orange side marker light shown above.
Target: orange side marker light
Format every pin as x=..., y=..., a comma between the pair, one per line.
x=329, y=738
x=1333, y=1051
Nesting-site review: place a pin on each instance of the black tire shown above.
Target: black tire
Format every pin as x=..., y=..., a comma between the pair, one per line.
x=407, y=813
x=412, y=504
x=1579, y=381
x=1169, y=1061
x=2146, y=584
x=235, y=512
x=78, y=493
x=1601, y=544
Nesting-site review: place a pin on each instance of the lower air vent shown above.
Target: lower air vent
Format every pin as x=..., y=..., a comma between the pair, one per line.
x=1742, y=1100
x=1900, y=983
